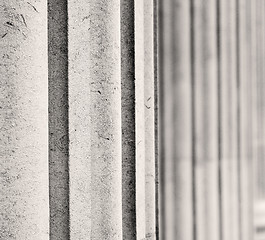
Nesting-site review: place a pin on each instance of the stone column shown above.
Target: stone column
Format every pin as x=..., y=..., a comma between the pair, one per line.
x=95, y=119
x=228, y=120
x=176, y=121
x=205, y=94
x=245, y=119
x=149, y=103
x=24, y=194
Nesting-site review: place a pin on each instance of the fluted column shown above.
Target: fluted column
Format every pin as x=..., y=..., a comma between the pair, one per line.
x=149, y=103
x=24, y=195
x=228, y=120
x=245, y=119
x=95, y=119
x=206, y=120
x=176, y=121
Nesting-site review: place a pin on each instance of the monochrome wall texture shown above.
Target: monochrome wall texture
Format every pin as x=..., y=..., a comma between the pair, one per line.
x=132, y=119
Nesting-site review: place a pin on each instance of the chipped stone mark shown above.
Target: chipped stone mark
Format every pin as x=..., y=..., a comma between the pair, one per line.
x=33, y=7
x=24, y=21
x=147, y=106
x=4, y=35
x=106, y=138
x=10, y=24
x=85, y=18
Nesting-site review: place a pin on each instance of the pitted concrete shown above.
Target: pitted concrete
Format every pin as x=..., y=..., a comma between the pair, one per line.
x=95, y=120
x=24, y=191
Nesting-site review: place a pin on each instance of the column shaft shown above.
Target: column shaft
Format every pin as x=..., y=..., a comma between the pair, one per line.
x=228, y=120
x=206, y=119
x=24, y=194
x=149, y=103
x=176, y=159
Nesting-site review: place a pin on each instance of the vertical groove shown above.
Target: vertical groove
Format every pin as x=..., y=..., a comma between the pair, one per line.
x=157, y=121
x=161, y=119
x=193, y=117
x=128, y=119
x=167, y=116
x=219, y=103
x=58, y=119
x=238, y=114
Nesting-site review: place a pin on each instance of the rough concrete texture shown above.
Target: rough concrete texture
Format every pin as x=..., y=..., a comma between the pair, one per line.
x=128, y=120
x=105, y=112
x=206, y=120
x=95, y=120
x=24, y=121
x=80, y=93
x=228, y=121
x=140, y=119
x=149, y=100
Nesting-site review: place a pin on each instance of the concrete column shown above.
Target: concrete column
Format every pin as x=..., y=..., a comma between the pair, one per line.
x=95, y=119
x=254, y=112
x=24, y=193
x=228, y=120
x=245, y=120
x=176, y=159
x=167, y=150
x=206, y=120
x=149, y=103
x=140, y=119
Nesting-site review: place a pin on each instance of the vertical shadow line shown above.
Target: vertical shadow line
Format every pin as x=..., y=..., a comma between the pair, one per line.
x=161, y=114
x=128, y=119
x=219, y=124
x=238, y=111
x=192, y=47
x=58, y=119
x=157, y=132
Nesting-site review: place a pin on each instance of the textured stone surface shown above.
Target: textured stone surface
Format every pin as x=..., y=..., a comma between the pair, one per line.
x=149, y=100
x=24, y=185
x=80, y=92
x=95, y=120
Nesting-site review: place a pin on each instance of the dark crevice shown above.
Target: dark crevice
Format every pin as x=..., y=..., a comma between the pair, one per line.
x=58, y=119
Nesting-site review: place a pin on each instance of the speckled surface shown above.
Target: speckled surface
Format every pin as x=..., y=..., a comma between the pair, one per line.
x=23, y=121
x=149, y=100
x=95, y=120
